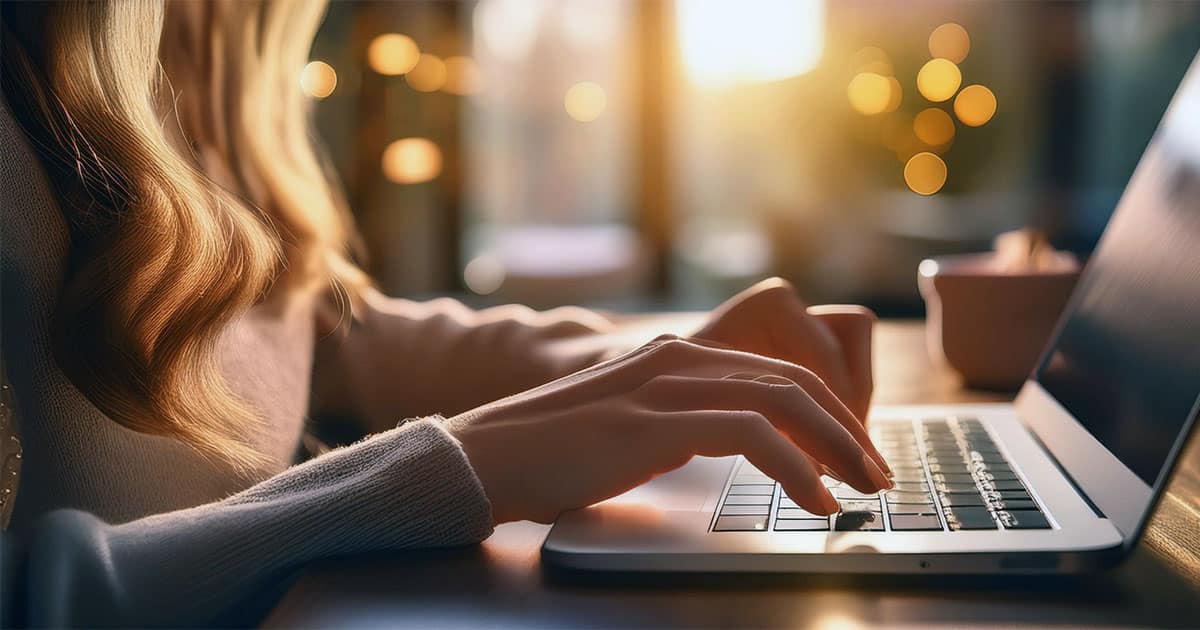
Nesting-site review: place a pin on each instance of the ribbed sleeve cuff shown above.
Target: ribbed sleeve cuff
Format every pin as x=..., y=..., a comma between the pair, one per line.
x=408, y=488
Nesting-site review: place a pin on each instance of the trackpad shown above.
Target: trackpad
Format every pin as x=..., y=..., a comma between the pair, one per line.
x=695, y=486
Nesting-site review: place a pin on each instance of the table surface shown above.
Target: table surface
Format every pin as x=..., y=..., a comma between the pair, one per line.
x=501, y=583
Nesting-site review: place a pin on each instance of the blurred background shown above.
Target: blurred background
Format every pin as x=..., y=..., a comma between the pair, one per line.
x=655, y=154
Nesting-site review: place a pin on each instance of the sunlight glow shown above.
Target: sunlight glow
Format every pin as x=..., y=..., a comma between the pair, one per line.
x=925, y=173
x=392, y=54
x=412, y=161
x=870, y=93
x=429, y=75
x=725, y=43
x=950, y=41
x=318, y=79
x=585, y=101
x=938, y=80
x=975, y=105
x=934, y=127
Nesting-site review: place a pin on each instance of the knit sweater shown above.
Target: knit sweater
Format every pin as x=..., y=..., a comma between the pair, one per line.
x=115, y=527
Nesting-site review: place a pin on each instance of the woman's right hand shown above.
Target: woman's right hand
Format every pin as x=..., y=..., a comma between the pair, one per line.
x=604, y=430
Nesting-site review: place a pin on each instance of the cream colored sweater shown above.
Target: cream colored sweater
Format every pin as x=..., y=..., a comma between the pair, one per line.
x=113, y=527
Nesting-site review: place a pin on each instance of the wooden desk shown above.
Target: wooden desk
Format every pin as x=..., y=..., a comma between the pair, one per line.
x=501, y=583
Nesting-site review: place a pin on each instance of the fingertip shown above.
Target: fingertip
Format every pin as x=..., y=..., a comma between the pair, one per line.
x=829, y=503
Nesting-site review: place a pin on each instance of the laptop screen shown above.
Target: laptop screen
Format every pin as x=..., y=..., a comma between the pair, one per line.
x=1126, y=361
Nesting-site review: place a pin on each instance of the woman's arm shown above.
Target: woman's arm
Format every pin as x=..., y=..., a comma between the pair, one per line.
x=407, y=488
x=401, y=358
x=404, y=358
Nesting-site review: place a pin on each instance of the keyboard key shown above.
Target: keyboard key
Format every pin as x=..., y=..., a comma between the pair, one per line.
x=861, y=506
x=759, y=489
x=997, y=476
x=916, y=522
x=795, y=513
x=745, y=510
x=1014, y=505
x=969, y=518
x=785, y=502
x=911, y=508
x=803, y=525
x=963, y=500
x=953, y=478
x=894, y=496
x=850, y=493
x=1023, y=519
x=752, y=479
x=859, y=522
x=1013, y=495
x=740, y=523
x=956, y=487
x=911, y=487
x=1005, y=485
x=748, y=499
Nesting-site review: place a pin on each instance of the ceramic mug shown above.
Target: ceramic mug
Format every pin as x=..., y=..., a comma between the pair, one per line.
x=990, y=325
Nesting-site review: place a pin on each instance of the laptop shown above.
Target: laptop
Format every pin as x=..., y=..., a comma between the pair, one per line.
x=1061, y=480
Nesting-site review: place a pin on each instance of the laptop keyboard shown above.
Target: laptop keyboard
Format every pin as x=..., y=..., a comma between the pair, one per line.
x=949, y=475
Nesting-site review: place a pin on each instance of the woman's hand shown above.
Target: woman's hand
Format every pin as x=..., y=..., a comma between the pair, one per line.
x=599, y=432
x=832, y=341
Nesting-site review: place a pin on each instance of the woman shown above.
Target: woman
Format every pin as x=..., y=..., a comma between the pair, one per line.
x=179, y=296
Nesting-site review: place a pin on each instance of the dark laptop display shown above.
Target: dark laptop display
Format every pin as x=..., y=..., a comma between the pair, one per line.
x=1126, y=362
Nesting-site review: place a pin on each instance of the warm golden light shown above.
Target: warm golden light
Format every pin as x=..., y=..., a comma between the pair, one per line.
x=318, y=79
x=462, y=76
x=950, y=41
x=585, y=101
x=872, y=59
x=392, y=54
x=722, y=43
x=934, y=127
x=925, y=173
x=869, y=93
x=895, y=95
x=412, y=161
x=938, y=80
x=975, y=105
x=484, y=274
x=429, y=75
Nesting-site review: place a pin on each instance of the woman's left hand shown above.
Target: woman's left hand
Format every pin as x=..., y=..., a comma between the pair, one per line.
x=834, y=341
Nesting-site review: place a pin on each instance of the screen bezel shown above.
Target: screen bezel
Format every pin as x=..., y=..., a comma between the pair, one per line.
x=1113, y=488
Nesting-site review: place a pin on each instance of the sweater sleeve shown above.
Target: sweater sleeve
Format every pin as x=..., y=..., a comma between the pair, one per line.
x=410, y=487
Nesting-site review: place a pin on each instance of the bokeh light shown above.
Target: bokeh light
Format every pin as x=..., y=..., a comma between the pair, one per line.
x=392, y=54
x=412, y=161
x=872, y=59
x=585, y=101
x=484, y=274
x=869, y=93
x=462, y=76
x=934, y=127
x=950, y=41
x=318, y=79
x=975, y=105
x=895, y=95
x=938, y=80
x=925, y=173
x=429, y=75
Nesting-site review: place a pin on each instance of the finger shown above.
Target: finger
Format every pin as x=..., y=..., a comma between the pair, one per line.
x=789, y=407
x=853, y=326
x=719, y=433
x=695, y=359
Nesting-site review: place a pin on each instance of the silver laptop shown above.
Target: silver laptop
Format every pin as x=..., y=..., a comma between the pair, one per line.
x=1061, y=480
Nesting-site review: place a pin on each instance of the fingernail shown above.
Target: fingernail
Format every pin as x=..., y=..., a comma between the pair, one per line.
x=875, y=474
x=829, y=503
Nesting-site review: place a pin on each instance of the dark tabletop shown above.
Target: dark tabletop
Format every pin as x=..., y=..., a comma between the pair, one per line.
x=502, y=583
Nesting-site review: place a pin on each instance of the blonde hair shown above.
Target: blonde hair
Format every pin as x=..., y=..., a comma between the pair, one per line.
x=180, y=139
